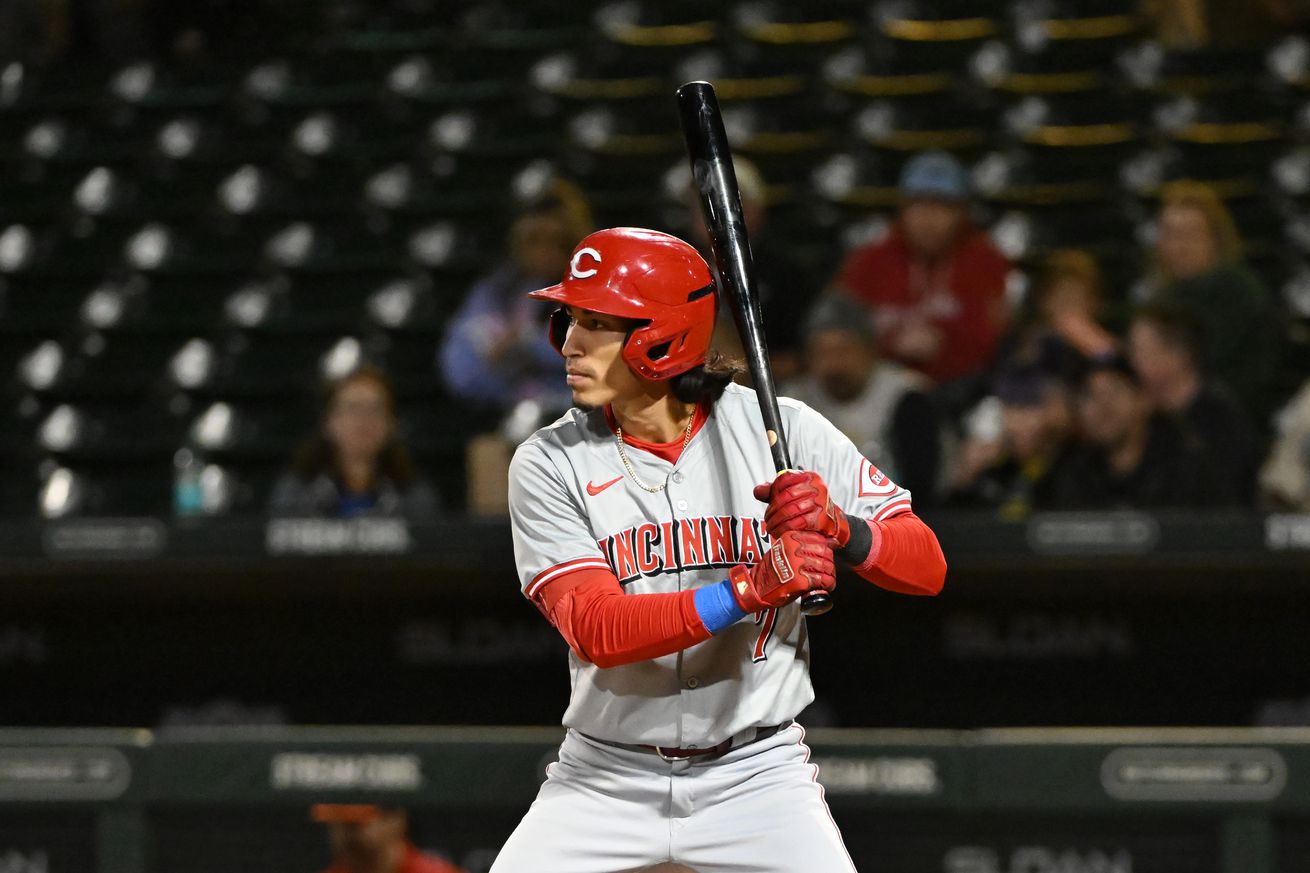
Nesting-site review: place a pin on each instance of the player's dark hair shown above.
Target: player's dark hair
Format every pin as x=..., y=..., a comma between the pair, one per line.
x=317, y=454
x=707, y=382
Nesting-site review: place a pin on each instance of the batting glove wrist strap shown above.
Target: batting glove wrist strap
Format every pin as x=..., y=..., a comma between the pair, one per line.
x=859, y=543
x=716, y=606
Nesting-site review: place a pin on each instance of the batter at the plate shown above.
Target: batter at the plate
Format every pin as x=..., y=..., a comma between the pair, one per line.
x=650, y=530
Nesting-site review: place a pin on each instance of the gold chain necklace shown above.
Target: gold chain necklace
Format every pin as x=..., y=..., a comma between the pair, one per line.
x=623, y=455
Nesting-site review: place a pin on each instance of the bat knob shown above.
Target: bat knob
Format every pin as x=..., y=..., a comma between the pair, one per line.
x=816, y=603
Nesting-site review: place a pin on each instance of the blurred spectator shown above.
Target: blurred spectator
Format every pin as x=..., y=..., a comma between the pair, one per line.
x=91, y=31
x=1190, y=24
x=112, y=30
x=205, y=30
x=1016, y=470
x=373, y=839
x=355, y=465
x=1199, y=270
x=31, y=32
x=1285, y=477
x=118, y=31
x=936, y=284
x=1167, y=351
x=786, y=289
x=1132, y=458
x=495, y=352
x=883, y=407
x=1059, y=329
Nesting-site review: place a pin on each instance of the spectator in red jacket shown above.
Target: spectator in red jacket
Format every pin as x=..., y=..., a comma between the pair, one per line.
x=935, y=282
x=373, y=839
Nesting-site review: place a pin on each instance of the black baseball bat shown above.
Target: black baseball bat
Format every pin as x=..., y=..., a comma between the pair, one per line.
x=716, y=184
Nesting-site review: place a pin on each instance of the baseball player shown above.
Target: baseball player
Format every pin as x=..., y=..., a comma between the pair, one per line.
x=650, y=530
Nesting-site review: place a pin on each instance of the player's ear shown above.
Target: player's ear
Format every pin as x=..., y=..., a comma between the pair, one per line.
x=558, y=328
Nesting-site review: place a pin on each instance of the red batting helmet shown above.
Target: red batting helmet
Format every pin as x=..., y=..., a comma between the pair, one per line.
x=647, y=276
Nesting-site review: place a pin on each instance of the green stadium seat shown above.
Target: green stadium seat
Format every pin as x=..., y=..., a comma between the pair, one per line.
x=172, y=305
x=119, y=366
x=110, y=489
x=57, y=88
x=410, y=360
x=507, y=35
x=1228, y=139
x=651, y=26
x=32, y=307
x=312, y=303
x=252, y=432
x=253, y=365
x=604, y=75
x=933, y=121
x=1149, y=67
x=1091, y=30
x=950, y=31
x=878, y=67
x=795, y=36
x=100, y=429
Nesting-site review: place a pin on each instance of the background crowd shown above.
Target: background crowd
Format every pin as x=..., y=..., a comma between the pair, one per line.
x=970, y=384
x=979, y=373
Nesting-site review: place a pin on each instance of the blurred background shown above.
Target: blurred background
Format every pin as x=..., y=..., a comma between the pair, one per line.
x=264, y=356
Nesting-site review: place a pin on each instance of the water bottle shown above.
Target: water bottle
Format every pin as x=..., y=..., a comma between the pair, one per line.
x=188, y=495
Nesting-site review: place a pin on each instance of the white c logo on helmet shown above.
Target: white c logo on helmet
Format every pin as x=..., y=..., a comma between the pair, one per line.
x=577, y=258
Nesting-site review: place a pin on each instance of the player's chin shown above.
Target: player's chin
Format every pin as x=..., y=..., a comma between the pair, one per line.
x=589, y=398
x=582, y=400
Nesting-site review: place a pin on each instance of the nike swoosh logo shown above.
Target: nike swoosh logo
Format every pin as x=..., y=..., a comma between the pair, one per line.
x=593, y=490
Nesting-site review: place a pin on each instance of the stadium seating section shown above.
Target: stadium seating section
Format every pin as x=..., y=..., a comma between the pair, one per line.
x=186, y=250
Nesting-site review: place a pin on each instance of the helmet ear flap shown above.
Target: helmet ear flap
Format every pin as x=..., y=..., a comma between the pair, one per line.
x=558, y=329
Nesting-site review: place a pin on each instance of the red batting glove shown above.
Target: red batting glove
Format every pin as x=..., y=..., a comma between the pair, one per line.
x=799, y=501
x=799, y=562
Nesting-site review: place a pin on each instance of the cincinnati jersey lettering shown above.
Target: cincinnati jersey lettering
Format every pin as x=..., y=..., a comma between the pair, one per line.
x=684, y=544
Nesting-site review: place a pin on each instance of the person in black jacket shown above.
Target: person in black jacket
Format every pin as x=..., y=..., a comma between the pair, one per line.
x=1131, y=457
x=1167, y=350
x=1016, y=472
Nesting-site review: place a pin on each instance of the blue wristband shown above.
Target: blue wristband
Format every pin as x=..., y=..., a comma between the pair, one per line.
x=717, y=608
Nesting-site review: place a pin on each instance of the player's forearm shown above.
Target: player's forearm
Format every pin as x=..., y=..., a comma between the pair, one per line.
x=624, y=629
x=900, y=554
x=608, y=628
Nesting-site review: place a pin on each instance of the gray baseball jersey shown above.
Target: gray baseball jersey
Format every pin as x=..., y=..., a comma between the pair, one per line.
x=573, y=506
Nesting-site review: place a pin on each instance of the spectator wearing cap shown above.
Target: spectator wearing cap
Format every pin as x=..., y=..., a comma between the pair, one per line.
x=883, y=407
x=786, y=289
x=1199, y=269
x=495, y=353
x=1166, y=348
x=1016, y=471
x=355, y=464
x=372, y=839
x=935, y=283
x=1130, y=457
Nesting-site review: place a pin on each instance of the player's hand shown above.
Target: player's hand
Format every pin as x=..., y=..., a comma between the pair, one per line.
x=799, y=562
x=799, y=500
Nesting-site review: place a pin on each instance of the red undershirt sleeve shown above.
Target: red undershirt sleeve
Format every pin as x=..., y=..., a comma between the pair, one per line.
x=608, y=628
x=905, y=556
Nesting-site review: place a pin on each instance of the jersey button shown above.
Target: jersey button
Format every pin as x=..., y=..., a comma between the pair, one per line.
x=682, y=504
x=693, y=682
x=677, y=478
